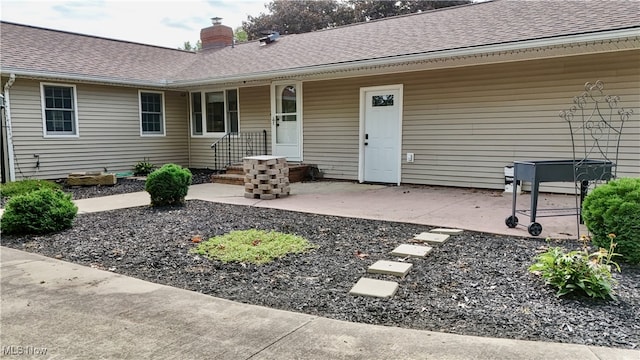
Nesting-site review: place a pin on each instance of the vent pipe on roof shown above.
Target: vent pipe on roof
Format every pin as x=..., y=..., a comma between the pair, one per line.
x=217, y=35
x=271, y=37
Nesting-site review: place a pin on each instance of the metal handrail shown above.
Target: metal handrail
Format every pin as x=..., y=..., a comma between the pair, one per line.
x=233, y=147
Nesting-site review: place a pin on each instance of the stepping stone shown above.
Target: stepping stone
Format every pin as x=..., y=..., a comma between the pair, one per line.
x=390, y=268
x=374, y=288
x=405, y=250
x=447, y=231
x=431, y=238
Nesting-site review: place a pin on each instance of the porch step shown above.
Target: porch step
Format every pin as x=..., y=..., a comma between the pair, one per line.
x=234, y=174
x=233, y=179
x=235, y=169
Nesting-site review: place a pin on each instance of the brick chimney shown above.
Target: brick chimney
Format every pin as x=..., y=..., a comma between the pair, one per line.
x=216, y=36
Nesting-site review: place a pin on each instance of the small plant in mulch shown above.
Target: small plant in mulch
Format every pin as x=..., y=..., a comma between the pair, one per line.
x=579, y=271
x=143, y=168
x=252, y=246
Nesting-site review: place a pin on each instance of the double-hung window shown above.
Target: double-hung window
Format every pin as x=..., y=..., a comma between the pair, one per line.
x=59, y=110
x=152, y=113
x=214, y=112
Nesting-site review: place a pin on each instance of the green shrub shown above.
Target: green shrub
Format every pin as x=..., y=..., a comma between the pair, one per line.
x=143, y=168
x=168, y=185
x=38, y=212
x=614, y=208
x=22, y=187
x=578, y=271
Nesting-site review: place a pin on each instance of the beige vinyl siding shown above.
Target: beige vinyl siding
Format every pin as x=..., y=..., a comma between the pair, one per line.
x=465, y=124
x=109, y=129
x=254, y=110
x=331, y=127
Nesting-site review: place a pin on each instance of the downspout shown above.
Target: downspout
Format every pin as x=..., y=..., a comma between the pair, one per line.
x=3, y=172
x=189, y=128
x=7, y=111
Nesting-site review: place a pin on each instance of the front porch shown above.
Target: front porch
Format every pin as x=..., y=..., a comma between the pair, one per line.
x=229, y=150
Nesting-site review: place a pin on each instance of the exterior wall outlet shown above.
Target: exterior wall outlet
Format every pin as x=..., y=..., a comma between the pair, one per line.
x=409, y=157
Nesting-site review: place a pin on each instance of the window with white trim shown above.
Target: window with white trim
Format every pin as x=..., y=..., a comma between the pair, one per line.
x=151, y=113
x=214, y=112
x=59, y=110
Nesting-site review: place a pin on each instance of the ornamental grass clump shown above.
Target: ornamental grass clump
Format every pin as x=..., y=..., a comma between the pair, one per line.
x=614, y=208
x=143, y=168
x=578, y=271
x=168, y=185
x=252, y=246
x=38, y=212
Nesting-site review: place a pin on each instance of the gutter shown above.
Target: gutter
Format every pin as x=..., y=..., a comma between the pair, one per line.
x=614, y=35
x=7, y=111
x=35, y=74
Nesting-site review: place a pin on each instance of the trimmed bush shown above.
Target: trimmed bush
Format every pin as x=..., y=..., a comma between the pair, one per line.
x=168, y=185
x=38, y=212
x=614, y=208
x=22, y=187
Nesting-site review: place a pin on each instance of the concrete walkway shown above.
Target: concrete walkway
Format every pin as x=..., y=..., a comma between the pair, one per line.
x=75, y=312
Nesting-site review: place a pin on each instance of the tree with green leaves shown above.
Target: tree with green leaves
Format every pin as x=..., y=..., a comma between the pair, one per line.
x=187, y=46
x=366, y=10
x=240, y=35
x=295, y=17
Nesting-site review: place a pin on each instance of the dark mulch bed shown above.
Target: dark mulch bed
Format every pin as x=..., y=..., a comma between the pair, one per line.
x=125, y=185
x=475, y=284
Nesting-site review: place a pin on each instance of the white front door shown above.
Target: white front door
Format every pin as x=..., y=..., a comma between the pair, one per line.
x=381, y=123
x=286, y=110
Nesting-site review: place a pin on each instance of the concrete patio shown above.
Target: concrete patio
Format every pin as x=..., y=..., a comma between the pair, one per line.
x=469, y=209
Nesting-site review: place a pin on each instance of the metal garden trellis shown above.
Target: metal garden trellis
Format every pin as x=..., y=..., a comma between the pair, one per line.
x=595, y=123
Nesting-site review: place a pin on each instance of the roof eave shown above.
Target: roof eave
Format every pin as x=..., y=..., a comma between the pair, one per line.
x=613, y=35
x=46, y=75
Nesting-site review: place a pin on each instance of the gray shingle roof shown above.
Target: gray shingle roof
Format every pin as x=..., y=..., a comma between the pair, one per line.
x=476, y=25
x=35, y=49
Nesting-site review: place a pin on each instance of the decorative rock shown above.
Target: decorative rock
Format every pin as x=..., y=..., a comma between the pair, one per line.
x=390, y=268
x=374, y=288
x=90, y=179
x=405, y=250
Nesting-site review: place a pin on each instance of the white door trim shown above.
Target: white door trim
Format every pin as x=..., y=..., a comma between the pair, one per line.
x=299, y=113
x=363, y=91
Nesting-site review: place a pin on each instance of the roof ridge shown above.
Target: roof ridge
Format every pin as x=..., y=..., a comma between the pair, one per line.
x=93, y=36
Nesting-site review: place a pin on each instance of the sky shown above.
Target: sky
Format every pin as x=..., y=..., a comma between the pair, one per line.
x=161, y=23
